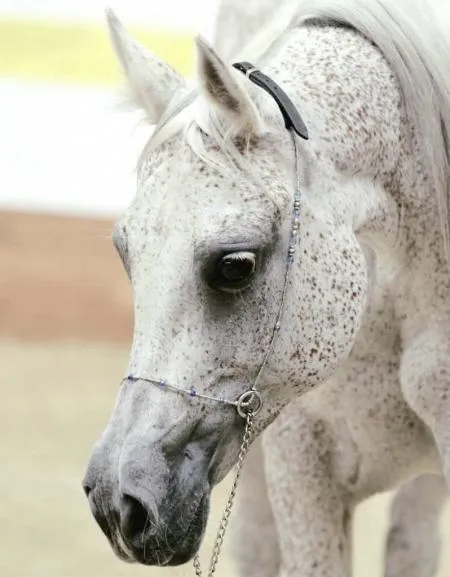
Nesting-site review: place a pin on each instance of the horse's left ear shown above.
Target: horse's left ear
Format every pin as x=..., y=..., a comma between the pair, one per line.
x=152, y=81
x=226, y=88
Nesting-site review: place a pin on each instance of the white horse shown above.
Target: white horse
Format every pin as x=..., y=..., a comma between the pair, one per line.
x=205, y=245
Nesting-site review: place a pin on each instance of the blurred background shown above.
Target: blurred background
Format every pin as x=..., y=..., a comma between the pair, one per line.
x=67, y=171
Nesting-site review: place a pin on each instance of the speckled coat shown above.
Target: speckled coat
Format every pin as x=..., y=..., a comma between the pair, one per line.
x=360, y=371
x=356, y=444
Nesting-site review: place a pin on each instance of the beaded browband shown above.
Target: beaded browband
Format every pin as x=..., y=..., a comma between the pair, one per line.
x=250, y=402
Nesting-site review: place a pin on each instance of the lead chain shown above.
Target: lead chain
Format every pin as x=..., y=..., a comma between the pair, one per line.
x=229, y=506
x=250, y=415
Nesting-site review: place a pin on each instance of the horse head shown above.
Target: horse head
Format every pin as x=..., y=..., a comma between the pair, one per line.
x=206, y=245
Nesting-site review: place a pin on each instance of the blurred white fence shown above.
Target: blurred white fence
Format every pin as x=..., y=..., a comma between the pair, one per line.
x=67, y=149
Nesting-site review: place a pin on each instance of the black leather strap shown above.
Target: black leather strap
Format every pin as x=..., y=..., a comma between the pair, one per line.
x=290, y=113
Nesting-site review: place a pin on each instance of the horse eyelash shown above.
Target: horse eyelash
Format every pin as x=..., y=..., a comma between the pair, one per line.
x=241, y=256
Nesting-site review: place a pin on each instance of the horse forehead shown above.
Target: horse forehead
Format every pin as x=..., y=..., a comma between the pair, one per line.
x=181, y=196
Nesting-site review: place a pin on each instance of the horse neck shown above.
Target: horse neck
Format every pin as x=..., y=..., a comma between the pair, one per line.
x=354, y=107
x=346, y=92
x=351, y=104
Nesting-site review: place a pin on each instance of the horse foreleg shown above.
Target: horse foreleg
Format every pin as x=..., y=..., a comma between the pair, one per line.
x=413, y=542
x=254, y=540
x=425, y=382
x=312, y=515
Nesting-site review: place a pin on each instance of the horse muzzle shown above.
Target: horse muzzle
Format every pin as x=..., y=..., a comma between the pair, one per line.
x=140, y=531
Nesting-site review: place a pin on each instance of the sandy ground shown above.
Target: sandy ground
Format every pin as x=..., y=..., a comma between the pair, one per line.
x=55, y=401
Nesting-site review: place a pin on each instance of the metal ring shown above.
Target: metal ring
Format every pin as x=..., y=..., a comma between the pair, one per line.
x=248, y=403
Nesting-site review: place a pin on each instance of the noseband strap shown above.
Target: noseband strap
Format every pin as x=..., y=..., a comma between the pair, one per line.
x=292, y=118
x=249, y=403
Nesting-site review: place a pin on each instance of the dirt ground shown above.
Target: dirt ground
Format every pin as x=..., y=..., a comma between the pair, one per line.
x=56, y=398
x=60, y=277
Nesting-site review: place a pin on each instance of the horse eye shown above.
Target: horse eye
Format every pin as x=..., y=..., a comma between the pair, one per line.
x=234, y=271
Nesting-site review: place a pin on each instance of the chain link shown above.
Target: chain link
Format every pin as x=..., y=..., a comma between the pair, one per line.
x=229, y=506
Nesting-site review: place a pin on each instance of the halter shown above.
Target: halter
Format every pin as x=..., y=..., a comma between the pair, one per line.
x=249, y=403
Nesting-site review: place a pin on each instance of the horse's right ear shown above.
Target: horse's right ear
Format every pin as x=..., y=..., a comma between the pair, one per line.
x=228, y=90
x=152, y=81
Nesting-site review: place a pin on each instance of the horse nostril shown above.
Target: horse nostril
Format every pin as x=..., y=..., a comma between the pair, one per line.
x=134, y=518
x=87, y=489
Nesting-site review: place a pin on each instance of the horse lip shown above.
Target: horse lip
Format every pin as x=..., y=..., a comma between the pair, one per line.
x=120, y=549
x=187, y=539
x=149, y=560
x=121, y=554
x=107, y=523
x=195, y=515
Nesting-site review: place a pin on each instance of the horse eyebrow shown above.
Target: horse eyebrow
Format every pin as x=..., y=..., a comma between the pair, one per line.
x=207, y=247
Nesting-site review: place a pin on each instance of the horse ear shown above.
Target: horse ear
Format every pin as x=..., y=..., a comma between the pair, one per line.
x=225, y=87
x=152, y=81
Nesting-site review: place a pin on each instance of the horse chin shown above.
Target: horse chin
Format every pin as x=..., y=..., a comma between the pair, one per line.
x=192, y=541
